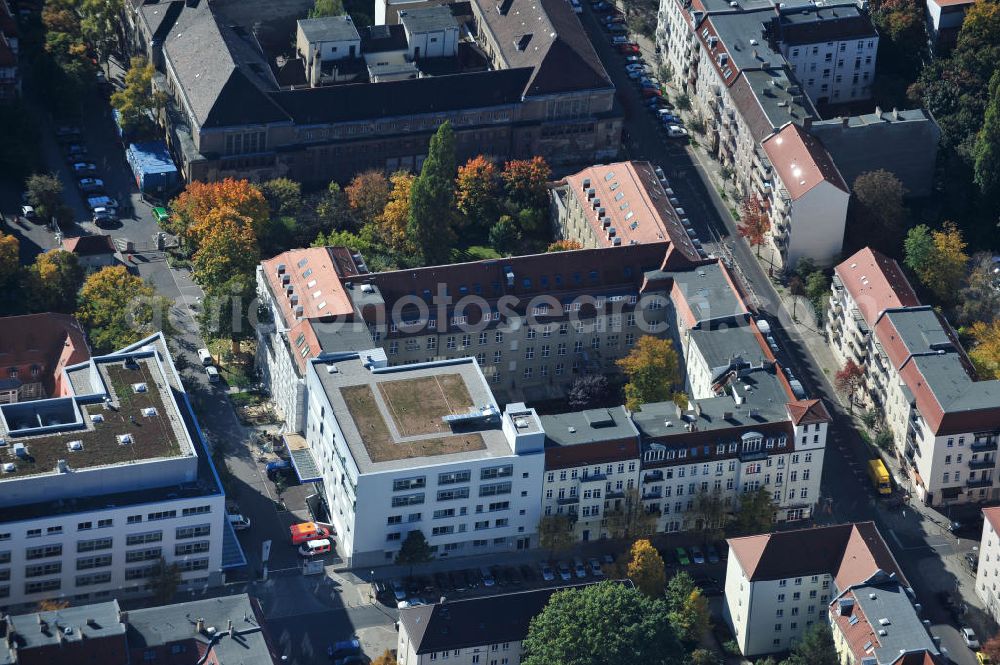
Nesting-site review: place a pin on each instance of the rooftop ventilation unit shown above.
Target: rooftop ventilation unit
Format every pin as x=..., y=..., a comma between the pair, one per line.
x=149, y=411
x=586, y=183
x=96, y=418
x=298, y=311
x=20, y=450
x=367, y=288
x=139, y=387
x=616, y=242
x=509, y=273
x=62, y=466
x=591, y=193
x=74, y=446
x=286, y=279
x=124, y=439
x=9, y=467
x=281, y=268
x=481, y=415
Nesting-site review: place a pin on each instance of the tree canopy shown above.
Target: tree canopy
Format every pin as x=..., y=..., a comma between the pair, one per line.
x=432, y=199
x=324, y=8
x=985, y=354
x=816, y=647
x=137, y=102
x=602, y=623
x=555, y=533
x=53, y=281
x=652, y=370
x=876, y=210
x=367, y=194
x=118, y=309
x=755, y=513
x=588, y=391
x=754, y=222
x=526, y=182
x=392, y=223
x=415, y=549
x=646, y=569
x=192, y=206
x=689, y=613
x=477, y=191
x=938, y=258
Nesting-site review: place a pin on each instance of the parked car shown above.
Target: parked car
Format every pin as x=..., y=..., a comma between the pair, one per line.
x=104, y=217
x=564, y=572
x=238, y=522
x=82, y=168
x=697, y=555
x=600, y=6
x=682, y=557
x=634, y=59
x=616, y=28
x=595, y=567
x=674, y=131
x=344, y=648
x=91, y=185
x=983, y=659
x=629, y=47
x=313, y=548
x=713, y=556
x=67, y=133
x=650, y=92
x=619, y=40
x=74, y=153
x=547, y=573
x=970, y=638
x=609, y=559
x=28, y=212
x=579, y=568
x=613, y=18
x=161, y=215
x=487, y=577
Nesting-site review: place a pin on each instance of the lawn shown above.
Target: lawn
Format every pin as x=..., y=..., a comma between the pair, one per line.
x=378, y=440
x=417, y=405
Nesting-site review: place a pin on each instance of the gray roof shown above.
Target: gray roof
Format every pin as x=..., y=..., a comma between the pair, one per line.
x=708, y=293
x=762, y=400
x=735, y=30
x=768, y=99
x=158, y=626
x=728, y=348
x=904, y=631
x=343, y=336
x=831, y=22
x=329, y=29
x=65, y=627
x=588, y=426
x=428, y=19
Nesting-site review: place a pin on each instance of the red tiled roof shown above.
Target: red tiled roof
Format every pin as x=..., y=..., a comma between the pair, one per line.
x=48, y=341
x=876, y=283
x=94, y=245
x=851, y=553
x=801, y=161
x=808, y=411
x=599, y=452
x=314, y=274
x=993, y=515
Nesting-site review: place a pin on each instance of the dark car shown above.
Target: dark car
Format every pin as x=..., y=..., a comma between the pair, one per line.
x=528, y=574
x=344, y=648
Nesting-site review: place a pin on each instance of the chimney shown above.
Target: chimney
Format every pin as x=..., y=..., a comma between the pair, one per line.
x=895, y=113
x=878, y=112
x=232, y=630
x=845, y=122
x=697, y=409
x=807, y=123
x=122, y=616
x=199, y=626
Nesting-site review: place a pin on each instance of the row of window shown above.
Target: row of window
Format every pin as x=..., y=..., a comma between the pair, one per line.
x=454, y=477
x=107, y=523
x=609, y=469
x=545, y=351
x=505, y=646
x=488, y=489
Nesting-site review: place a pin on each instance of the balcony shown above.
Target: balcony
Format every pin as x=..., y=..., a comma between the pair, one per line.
x=979, y=482
x=753, y=455
x=985, y=463
x=652, y=495
x=980, y=445
x=593, y=478
x=565, y=501
x=652, y=477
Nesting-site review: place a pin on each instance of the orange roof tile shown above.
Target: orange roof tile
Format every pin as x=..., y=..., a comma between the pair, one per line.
x=808, y=411
x=801, y=161
x=876, y=283
x=48, y=341
x=993, y=515
x=315, y=282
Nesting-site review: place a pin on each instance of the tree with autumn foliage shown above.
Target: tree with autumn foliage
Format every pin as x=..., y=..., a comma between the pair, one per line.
x=368, y=194
x=200, y=198
x=646, y=569
x=985, y=354
x=10, y=262
x=476, y=192
x=526, y=182
x=652, y=370
x=387, y=658
x=848, y=380
x=991, y=649
x=938, y=257
x=754, y=223
x=53, y=281
x=564, y=246
x=138, y=102
x=391, y=224
x=227, y=247
x=118, y=308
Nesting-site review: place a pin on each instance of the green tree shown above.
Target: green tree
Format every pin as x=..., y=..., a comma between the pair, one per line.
x=118, y=309
x=756, y=512
x=165, y=582
x=979, y=299
x=588, y=391
x=333, y=211
x=137, y=102
x=229, y=311
x=645, y=569
x=53, y=281
x=652, y=371
x=817, y=290
x=323, y=8
x=431, y=198
x=555, y=533
x=99, y=22
x=710, y=515
x=415, y=549
x=815, y=648
x=987, y=148
x=689, y=614
x=938, y=258
x=226, y=250
x=703, y=657
x=876, y=209
x=602, y=623
x=284, y=195
x=918, y=250
x=504, y=235
x=44, y=193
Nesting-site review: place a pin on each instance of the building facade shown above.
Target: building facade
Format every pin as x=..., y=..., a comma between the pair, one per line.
x=34, y=351
x=432, y=452
x=988, y=571
x=773, y=593
x=233, y=111
x=945, y=423
x=115, y=481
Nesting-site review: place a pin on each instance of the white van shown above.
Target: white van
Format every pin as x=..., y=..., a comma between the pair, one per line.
x=315, y=547
x=205, y=356
x=238, y=522
x=213, y=374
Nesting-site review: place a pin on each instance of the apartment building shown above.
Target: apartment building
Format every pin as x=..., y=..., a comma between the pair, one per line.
x=475, y=631
x=945, y=423
x=944, y=22
x=988, y=571
x=773, y=593
x=10, y=37
x=421, y=447
x=624, y=203
x=34, y=351
x=103, y=482
x=876, y=622
x=807, y=199
x=219, y=630
x=591, y=469
x=238, y=108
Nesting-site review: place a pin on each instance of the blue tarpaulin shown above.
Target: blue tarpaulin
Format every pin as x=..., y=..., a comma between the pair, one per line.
x=152, y=166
